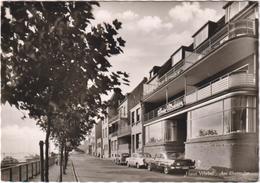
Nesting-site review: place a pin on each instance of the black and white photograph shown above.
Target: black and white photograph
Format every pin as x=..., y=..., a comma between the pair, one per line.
x=129, y=91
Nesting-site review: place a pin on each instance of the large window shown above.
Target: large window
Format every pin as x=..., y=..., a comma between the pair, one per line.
x=201, y=36
x=154, y=133
x=161, y=132
x=240, y=114
x=207, y=120
x=231, y=115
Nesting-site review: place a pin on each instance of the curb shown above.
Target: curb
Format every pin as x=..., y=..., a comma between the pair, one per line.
x=74, y=172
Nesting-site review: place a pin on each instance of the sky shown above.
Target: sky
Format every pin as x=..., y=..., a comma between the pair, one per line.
x=152, y=31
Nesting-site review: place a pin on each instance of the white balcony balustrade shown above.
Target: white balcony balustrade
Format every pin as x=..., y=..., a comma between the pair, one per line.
x=221, y=84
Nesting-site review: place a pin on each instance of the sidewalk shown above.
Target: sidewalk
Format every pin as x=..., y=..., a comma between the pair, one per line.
x=242, y=177
x=54, y=172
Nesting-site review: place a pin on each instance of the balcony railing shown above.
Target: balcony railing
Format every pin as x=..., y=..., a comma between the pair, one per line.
x=124, y=130
x=231, y=30
x=166, y=108
x=23, y=172
x=221, y=84
x=114, y=118
x=123, y=147
x=113, y=134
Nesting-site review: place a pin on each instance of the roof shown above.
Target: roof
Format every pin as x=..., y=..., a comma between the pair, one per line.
x=208, y=22
x=227, y=4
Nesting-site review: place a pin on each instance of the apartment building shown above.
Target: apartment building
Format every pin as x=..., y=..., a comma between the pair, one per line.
x=136, y=117
x=105, y=144
x=125, y=127
x=203, y=100
x=113, y=119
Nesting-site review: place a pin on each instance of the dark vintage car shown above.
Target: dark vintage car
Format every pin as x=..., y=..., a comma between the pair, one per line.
x=169, y=162
x=120, y=159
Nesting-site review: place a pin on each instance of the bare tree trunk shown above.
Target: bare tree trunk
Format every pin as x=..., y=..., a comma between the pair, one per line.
x=65, y=158
x=61, y=159
x=46, y=175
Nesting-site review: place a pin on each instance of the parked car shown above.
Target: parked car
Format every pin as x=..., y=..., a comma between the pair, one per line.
x=137, y=160
x=120, y=159
x=169, y=162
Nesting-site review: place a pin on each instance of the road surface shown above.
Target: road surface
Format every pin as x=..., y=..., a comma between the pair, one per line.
x=89, y=168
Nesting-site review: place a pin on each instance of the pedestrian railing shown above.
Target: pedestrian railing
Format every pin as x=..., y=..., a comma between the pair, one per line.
x=23, y=171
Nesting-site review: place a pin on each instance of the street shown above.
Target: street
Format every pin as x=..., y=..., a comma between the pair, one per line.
x=89, y=168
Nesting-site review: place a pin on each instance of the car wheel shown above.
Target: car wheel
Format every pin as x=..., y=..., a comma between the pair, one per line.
x=166, y=170
x=149, y=167
x=137, y=165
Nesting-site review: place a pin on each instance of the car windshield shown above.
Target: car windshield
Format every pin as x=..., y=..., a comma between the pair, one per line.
x=125, y=154
x=147, y=155
x=174, y=155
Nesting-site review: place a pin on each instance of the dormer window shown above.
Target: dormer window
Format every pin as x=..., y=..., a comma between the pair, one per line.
x=201, y=36
x=234, y=8
x=177, y=57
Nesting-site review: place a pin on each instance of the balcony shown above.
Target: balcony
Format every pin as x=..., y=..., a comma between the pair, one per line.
x=166, y=108
x=229, y=31
x=113, y=134
x=124, y=148
x=221, y=84
x=123, y=131
x=114, y=118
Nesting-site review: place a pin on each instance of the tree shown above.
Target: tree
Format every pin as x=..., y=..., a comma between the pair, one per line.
x=52, y=57
x=69, y=130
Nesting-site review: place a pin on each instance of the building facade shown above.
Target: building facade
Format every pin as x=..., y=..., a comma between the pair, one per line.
x=105, y=145
x=203, y=100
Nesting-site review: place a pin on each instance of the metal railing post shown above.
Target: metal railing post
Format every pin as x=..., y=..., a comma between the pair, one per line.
x=20, y=173
x=11, y=175
x=27, y=174
x=32, y=169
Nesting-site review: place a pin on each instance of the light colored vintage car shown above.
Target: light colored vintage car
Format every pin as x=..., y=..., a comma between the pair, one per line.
x=169, y=162
x=137, y=160
x=120, y=159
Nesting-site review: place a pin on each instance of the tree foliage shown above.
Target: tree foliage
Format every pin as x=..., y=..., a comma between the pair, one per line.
x=48, y=56
x=54, y=61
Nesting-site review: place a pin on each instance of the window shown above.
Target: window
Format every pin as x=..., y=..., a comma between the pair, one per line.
x=133, y=117
x=161, y=132
x=234, y=8
x=124, y=112
x=207, y=120
x=171, y=131
x=231, y=115
x=240, y=114
x=201, y=36
x=177, y=57
x=154, y=133
x=138, y=141
x=138, y=115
